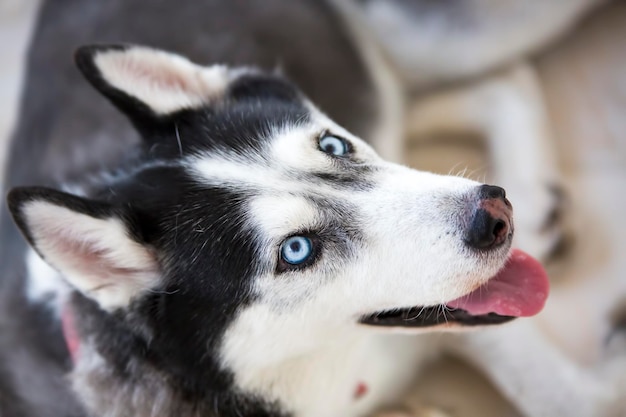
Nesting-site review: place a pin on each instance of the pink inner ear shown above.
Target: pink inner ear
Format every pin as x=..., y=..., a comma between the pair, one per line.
x=164, y=82
x=158, y=77
x=84, y=257
x=92, y=253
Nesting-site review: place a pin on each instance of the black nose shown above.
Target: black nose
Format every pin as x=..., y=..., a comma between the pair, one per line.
x=491, y=191
x=489, y=225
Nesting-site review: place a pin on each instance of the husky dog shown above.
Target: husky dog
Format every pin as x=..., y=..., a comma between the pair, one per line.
x=239, y=262
x=238, y=252
x=234, y=263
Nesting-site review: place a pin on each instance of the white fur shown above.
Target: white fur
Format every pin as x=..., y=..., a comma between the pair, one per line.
x=221, y=170
x=323, y=380
x=96, y=255
x=294, y=148
x=281, y=216
x=449, y=41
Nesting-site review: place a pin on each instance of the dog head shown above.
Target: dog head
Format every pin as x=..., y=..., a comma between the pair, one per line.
x=253, y=229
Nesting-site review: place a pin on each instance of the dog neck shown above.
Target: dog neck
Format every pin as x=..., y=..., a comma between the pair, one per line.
x=342, y=378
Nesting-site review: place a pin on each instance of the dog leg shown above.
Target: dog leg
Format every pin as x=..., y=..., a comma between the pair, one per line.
x=539, y=379
x=508, y=110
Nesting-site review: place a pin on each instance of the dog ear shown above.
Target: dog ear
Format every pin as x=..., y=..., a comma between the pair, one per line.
x=90, y=243
x=150, y=83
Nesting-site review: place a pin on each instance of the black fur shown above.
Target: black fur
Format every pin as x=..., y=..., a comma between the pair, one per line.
x=206, y=279
x=263, y=87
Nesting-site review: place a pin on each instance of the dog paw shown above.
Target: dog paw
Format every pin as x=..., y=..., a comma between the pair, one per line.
x=540, y=220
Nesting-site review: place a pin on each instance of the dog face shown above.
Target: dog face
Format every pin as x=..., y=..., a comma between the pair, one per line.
x=250, y=219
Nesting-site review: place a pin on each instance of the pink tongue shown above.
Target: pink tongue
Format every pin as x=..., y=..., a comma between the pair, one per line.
x=520, y=289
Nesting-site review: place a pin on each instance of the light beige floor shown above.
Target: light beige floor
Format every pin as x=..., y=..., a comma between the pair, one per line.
x=584, y=77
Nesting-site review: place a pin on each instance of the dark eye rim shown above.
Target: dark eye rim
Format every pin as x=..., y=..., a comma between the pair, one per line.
x=349, y=147
x=283, y=266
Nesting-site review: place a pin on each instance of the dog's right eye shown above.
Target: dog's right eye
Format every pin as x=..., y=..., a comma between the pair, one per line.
x=296, y=252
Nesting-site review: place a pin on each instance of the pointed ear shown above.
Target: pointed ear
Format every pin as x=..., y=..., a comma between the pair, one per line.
x=145, y=82
x=89, y=243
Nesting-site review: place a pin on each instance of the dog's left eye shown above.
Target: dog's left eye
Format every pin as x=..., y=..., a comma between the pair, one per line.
x=296, y=250
x=333, y=145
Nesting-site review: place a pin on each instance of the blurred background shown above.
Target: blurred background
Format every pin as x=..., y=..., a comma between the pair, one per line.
x=582, y=75
x=16, y=20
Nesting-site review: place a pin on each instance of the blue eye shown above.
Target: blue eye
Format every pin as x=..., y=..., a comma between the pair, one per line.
x=296, y=250
x=333, y=145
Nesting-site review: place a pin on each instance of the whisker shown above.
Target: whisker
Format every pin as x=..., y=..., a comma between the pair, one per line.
x=180, y=145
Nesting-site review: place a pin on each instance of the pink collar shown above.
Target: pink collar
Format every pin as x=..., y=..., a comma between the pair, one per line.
x=69, y=331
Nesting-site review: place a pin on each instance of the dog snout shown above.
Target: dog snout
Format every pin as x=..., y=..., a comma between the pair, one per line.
x=490, y=222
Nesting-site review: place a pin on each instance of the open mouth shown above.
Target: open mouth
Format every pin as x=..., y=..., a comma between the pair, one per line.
x=431, y=316
x=519, y=289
